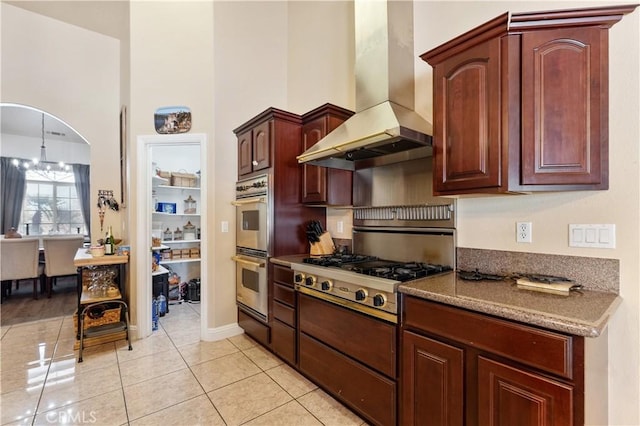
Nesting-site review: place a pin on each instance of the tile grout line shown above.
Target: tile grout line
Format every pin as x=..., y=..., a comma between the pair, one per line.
x=44, y=383
x=124, y=397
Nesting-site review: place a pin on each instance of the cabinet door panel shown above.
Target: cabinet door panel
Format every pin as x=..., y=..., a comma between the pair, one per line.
x=245, y=153
x=562, y=107
x=467, y=123
x=432, y=382
x=314, y=178
x=509, y=396
x=261, y=146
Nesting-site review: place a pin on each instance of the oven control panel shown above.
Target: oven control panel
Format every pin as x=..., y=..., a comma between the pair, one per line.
x=375, y=297
x=251, y=187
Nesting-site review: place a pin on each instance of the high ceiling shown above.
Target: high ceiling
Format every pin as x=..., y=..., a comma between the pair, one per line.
x=110, y=18
x=26, y=121
x=105, y=17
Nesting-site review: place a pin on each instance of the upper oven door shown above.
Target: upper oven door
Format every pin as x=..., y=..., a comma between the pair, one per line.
x=251, y=223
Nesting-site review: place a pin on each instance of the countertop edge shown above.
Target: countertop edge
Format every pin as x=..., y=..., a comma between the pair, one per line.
x=523, y=315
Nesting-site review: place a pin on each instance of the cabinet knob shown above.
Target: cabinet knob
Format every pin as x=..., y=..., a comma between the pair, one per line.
x=254, y=162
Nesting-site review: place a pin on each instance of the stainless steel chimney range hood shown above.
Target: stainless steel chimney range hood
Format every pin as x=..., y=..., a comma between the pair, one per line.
x=385, y=121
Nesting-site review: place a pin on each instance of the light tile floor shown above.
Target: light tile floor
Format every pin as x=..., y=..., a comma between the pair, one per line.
x=170, y=378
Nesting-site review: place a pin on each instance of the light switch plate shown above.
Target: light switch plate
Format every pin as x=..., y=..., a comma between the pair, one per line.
x=592, y=235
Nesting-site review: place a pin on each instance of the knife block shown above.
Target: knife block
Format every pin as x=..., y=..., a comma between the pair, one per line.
x=324, y=246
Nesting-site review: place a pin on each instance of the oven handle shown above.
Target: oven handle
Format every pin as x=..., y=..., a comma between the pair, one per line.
x=249, y=201
x=247, y=262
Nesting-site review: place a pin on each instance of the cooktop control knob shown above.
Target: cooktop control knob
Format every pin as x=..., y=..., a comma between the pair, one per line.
x=379, y=300
x=361, y=294
x=298, y=278
x=326, y=285
x=310, y=281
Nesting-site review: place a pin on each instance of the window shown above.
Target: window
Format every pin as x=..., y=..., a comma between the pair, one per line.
x=51, y=204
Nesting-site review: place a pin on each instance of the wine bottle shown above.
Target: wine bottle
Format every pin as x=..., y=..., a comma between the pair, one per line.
x=109, y=243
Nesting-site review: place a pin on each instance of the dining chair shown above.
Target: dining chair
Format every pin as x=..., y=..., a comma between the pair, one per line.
x=20, y=262
x=59, y=252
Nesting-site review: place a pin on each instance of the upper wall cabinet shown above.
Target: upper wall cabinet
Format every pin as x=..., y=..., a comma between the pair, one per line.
x=521, y=103
x=321, y=185
x=258, y=138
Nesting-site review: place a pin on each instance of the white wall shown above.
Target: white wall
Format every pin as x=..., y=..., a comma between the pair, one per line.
x=73, y=74
x=250, y=76
x=171, y=45
x=489, y=222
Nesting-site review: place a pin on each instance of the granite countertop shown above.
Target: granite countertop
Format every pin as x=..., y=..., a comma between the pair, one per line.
x=581, y=313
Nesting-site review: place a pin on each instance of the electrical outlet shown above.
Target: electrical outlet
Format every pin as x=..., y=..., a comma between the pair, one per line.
x=523, y=232
x=340, y=227
x=224, y=226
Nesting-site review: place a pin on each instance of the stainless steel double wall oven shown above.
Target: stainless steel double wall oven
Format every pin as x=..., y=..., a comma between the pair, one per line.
x=252, y=223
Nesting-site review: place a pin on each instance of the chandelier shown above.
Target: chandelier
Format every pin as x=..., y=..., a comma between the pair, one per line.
x=41, y=164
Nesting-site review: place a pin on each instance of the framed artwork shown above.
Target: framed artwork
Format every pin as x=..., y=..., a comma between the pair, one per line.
x=172, y=120
x=123, y=156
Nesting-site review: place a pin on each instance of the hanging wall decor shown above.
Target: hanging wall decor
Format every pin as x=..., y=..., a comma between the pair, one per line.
x=106, y=201
x=172, y=119
x=123, y=157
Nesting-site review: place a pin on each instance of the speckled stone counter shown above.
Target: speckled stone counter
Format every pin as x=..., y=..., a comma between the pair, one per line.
x=581, y=313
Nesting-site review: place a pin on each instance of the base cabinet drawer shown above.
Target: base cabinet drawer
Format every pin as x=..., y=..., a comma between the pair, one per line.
x=284, y=313
x=283, y=341
x=369, y=340
x=254, y=328
x=370, y=394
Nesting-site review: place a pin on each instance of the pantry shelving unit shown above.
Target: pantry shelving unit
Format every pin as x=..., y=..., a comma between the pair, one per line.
x=183, y=153
x=180, y=256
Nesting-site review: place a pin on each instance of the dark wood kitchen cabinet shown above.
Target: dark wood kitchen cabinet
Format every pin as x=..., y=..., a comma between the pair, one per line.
x=350, y=355
x=268, y=143
x=253, y=149
x=521, y=103
x=465, y=368
x=284, y=308
x=321, y=185
x=260, y=138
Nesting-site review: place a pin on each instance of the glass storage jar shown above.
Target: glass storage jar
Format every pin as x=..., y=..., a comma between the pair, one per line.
x=177, y=234
x=190, y=205
x=189, y=231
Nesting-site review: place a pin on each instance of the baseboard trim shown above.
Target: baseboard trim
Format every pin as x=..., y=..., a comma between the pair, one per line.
x=223, y=332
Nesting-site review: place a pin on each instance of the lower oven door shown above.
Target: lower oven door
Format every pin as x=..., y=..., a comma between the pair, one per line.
x=251, y=285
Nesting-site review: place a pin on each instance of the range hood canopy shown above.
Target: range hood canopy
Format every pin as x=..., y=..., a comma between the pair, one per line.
x=385, y=121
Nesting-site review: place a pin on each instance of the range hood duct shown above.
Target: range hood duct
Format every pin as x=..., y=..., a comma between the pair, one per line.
x=385, y=121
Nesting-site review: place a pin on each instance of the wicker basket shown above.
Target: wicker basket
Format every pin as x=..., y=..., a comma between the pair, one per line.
x=183, y=179
x=164, y=174
x=108, y=316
